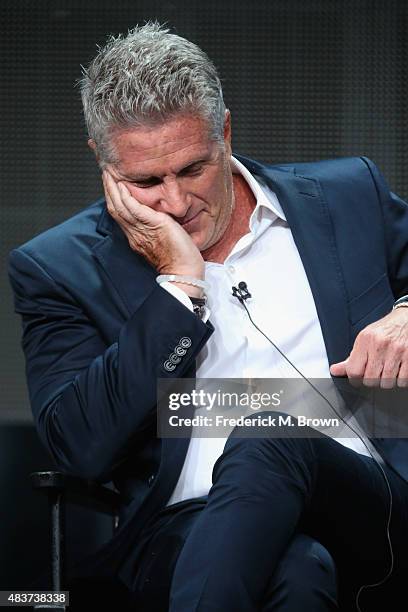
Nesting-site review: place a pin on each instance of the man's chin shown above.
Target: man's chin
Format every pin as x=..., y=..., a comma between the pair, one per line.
x=199, y=240
x=203, y=239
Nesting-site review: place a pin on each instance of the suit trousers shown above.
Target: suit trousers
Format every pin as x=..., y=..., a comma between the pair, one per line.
x=266, y=491
x=305, y=577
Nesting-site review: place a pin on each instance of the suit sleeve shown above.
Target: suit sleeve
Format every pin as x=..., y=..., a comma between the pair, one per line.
x=91, y=401
x=395, y=214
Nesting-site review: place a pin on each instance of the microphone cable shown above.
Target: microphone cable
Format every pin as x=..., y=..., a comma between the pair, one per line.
x=242, y=294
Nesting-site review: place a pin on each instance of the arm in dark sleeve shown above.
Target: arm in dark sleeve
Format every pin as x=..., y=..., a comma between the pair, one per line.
x=395, y=214
x=89, y=399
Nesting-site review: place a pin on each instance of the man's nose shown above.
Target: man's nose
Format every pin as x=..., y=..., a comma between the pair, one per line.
x=174, y=200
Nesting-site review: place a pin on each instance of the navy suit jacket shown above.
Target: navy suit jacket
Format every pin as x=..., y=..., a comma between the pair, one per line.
x=97, y=329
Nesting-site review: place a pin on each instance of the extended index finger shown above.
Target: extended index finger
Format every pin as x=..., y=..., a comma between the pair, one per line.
x=356, y=364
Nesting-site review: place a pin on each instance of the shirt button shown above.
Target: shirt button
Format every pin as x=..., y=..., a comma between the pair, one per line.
x=231, y=269
x=150, y=480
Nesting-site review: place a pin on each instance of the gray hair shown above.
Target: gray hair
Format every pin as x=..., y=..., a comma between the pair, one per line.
x=145, y=78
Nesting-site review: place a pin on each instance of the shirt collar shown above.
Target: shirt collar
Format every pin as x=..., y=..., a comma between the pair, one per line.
x=267, y=203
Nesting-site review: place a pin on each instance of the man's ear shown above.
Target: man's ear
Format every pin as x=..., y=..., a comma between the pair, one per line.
x=227, y=130
x=92, y=145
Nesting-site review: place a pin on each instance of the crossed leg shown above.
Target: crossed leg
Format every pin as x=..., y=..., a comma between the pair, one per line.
x=305, y=578
x=265, y=489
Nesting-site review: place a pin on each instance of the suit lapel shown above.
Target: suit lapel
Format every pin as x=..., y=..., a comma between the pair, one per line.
x=308, y=216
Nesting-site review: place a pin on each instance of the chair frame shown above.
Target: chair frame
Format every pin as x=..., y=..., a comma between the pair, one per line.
x=85, y=493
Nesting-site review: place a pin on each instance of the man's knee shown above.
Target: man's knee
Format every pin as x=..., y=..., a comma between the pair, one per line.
x=305, y=552
x=306, y=573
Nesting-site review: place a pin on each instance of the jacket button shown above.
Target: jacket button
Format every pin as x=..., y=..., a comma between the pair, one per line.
x=179, y=350
x=173, y=358
x=150, y=480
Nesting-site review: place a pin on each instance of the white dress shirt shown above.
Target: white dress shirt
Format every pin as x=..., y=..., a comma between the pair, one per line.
x=282, y=305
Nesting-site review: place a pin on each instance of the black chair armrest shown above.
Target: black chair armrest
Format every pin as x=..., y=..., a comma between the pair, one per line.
x=83, y=492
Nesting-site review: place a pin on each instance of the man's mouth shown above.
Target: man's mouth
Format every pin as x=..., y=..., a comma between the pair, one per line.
x=187, y=221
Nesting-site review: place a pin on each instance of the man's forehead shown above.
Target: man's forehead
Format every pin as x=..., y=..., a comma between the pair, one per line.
x=175, y=133
x=135, y=167
x=139, y=156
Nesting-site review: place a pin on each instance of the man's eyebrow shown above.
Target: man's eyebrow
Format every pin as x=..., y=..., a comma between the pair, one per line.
x=147, y=177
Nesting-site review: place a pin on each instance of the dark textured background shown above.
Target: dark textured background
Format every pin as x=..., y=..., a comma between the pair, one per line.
x=304, y=80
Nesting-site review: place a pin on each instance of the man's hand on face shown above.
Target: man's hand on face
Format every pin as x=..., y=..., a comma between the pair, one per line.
x=155, y=235
x=380, y=353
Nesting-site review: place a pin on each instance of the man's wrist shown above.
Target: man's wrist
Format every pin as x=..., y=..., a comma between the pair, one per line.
x=192, y=286
x=193, y=272
x=190, y=290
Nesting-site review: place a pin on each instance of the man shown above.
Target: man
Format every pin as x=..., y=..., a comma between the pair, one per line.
x=323, y=247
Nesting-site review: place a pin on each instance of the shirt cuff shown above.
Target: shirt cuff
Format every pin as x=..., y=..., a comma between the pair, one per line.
x=182, y=297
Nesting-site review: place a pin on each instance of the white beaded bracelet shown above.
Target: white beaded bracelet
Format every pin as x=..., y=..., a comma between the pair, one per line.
x=187, y=280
